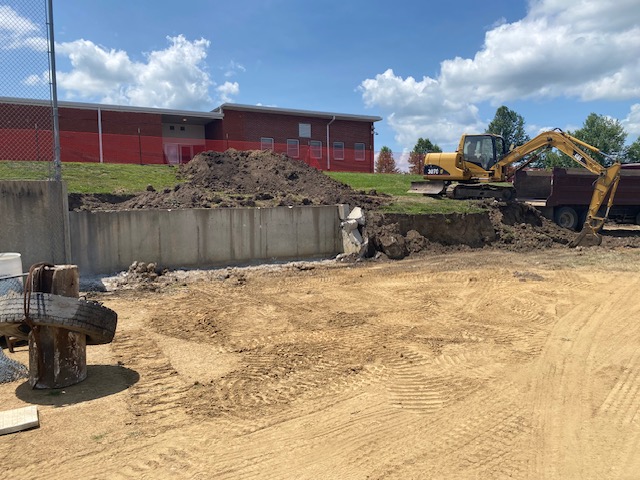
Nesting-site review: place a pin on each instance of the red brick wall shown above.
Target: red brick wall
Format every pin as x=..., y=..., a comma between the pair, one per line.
x=25, y=116
x=214, y=130
x=249, y=127
x=127, y=123
x=25, y=132
x=79, y=140
x=78, y=120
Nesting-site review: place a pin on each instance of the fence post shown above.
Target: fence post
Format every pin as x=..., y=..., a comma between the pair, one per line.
x=54, y=97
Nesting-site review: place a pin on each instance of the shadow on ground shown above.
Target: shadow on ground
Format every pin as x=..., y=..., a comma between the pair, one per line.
x=102, y=380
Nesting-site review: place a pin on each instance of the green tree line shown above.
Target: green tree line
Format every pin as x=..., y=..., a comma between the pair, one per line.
x=603, y=132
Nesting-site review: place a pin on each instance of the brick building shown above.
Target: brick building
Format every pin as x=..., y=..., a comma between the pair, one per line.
x=123, y=134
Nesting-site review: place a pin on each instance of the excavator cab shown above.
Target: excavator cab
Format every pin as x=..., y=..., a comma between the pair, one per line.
x=483, y=150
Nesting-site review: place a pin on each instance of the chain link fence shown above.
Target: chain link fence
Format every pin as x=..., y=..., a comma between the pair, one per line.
x=35, y=213
x=26, y=104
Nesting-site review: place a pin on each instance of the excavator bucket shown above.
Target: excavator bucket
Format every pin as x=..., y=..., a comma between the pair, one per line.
x=586, y=238
x=428, y=187
x=589, y=236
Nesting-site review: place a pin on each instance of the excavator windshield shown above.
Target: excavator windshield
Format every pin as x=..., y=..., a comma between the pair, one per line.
x=483, y=150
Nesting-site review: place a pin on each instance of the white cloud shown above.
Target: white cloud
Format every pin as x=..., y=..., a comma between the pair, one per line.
x=584, y=49
x=17, y=31
x=175, y=77
x=420, y=108
x=632, y=123
x=227, y=90
x=233, y=69
x=37, y=80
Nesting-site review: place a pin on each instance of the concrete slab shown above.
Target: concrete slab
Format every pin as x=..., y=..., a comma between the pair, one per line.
x=18, y=419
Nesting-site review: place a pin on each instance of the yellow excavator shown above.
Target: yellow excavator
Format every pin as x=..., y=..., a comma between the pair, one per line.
x=481, y=161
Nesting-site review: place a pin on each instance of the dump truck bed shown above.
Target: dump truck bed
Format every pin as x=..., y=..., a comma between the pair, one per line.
x=549, y=190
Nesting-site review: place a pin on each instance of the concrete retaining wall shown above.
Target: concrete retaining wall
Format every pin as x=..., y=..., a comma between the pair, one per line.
x=107, y=242
x=34, y=221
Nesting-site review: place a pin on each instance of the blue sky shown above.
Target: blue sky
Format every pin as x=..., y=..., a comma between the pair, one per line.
x=430, y=69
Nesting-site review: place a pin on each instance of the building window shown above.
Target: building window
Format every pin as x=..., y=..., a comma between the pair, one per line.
x=359, y=151
x=182, y=129
x=304, y=130
x=171, y=127
x=293, y=148
x=266, y=143
x=315, y=148
x=338, y=150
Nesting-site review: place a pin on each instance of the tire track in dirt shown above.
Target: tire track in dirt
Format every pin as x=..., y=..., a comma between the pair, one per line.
x=623, y=401
x=578, y=347
x=406, y=379
x=158, y=395
x=411, y=388
x=483, y=442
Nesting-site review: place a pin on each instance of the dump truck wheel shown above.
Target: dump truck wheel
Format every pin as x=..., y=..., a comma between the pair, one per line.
x=567, y=217
x=507, y=194
x=94, y=320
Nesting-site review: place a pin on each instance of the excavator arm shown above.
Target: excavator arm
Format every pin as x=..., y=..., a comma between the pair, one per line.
x=475, y=177
x=606, y=183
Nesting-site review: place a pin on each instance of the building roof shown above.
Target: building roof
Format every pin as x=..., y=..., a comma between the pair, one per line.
x=168, y=115
x=302, y=113
x=177, y=116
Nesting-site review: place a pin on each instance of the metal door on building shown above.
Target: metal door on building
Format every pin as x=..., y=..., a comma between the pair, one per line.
x=172, y=153
x=186, y=153
x=176, y=153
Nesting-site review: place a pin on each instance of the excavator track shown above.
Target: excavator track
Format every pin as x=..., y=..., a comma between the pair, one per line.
x=478, y=191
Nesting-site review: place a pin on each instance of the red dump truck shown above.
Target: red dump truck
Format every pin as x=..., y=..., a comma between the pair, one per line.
x=563, y=194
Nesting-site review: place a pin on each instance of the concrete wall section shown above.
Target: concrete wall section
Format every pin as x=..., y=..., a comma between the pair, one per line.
x=34, y=221
x=107, y=242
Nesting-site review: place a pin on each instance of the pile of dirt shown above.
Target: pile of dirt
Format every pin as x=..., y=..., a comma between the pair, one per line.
x=506, y=225
x=239, y=179
x=520, y=227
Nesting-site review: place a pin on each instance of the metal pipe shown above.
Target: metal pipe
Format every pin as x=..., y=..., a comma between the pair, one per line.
x=100, y=134
x=328, y=154
x=54, y=96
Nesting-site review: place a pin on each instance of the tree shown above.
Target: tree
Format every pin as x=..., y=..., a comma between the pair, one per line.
x=510, y=125
x=416, y=157
x=386, y=162
x=604, y=133
x=632, y=154
x=554, y=158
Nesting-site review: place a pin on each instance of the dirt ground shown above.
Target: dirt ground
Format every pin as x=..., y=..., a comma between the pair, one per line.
x=468, y=364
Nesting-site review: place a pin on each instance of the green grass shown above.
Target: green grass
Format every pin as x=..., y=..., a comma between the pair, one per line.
x=422, y=205
x=127, y=178
x=397, y=185
x=96, y=177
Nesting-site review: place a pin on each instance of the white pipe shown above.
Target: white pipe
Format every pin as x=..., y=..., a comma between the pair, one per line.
x=100, y=133
x=328, y=155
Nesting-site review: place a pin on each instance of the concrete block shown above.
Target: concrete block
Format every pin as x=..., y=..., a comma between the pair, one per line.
x=343, y=211
x=358, y=215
